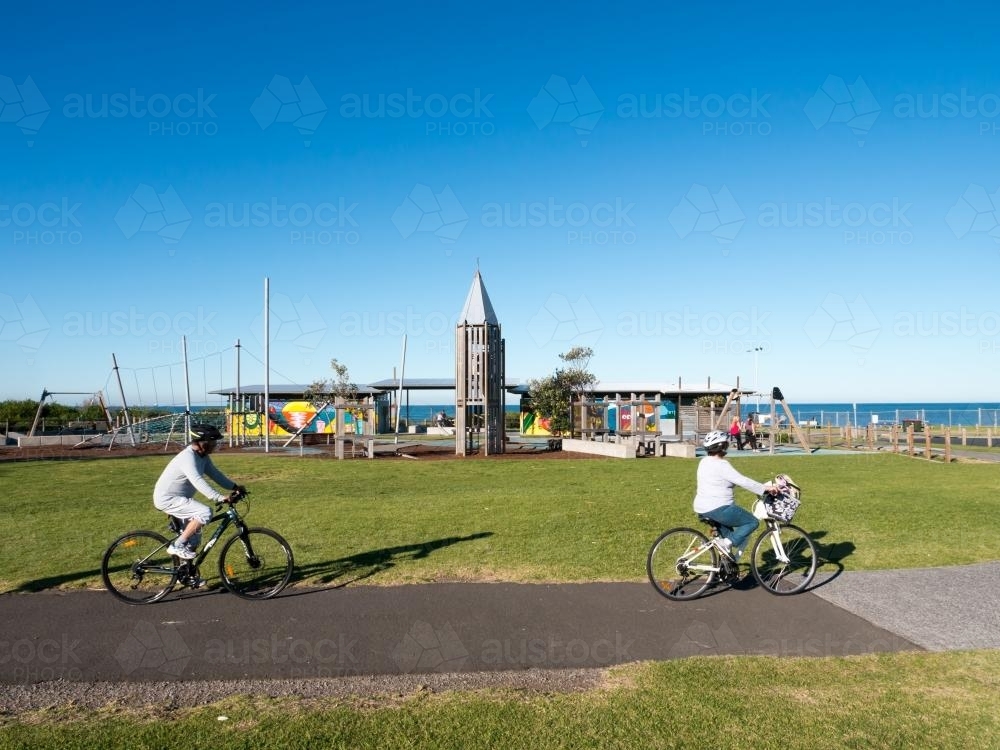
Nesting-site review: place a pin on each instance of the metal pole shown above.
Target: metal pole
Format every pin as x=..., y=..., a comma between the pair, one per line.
x=267, y=363
x=121, y=390
x=38, y=413
x=239, y=404
x=399, y=405
x=187, y=393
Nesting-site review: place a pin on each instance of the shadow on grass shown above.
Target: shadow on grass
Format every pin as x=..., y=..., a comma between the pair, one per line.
x=52, y=582
x=829, y=554
x=347, y=570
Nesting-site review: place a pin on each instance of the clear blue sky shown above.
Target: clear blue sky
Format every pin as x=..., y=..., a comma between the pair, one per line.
x=673, y=186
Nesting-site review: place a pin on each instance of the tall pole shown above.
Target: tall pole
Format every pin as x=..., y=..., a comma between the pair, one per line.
x=267, y=363
x=187, y=392
x=239, y=405
x=121, y=390
x=399, y=404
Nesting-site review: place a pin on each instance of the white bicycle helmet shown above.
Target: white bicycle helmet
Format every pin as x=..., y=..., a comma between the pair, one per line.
x=715, y=438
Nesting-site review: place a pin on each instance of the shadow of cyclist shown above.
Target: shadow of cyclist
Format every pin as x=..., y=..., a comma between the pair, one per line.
x=829, y=555
x=353, y=568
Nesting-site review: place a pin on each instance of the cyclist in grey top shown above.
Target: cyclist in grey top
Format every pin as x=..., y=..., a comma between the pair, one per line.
x=714, y=497
x=185, y=474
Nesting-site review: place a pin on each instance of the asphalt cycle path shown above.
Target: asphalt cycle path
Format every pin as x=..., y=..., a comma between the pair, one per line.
x=88, y=636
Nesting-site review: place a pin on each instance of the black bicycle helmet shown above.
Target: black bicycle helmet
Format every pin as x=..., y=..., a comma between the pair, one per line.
x=205, y=432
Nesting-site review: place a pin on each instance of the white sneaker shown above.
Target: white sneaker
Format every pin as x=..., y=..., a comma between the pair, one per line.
x=725, y=546
x=181, y=550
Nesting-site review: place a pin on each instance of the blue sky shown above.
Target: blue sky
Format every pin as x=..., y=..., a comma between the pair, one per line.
x=674, y=187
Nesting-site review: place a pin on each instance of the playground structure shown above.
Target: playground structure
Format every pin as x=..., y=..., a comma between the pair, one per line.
x=479, y=376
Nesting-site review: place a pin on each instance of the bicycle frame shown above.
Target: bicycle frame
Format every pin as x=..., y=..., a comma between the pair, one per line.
x=228, y=517
x=773, y=528
x=700, y=551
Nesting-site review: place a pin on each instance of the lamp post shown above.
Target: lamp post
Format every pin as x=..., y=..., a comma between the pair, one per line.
x=756, y=350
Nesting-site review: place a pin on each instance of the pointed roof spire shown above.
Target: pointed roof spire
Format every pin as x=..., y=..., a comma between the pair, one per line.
x=478, y=308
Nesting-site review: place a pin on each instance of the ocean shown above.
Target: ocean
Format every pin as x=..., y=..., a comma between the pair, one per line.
x=957, y=414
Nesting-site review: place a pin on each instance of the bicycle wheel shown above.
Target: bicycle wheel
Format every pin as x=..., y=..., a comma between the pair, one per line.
x=137, y=569
x=256, y=565
x=682, y=564
x=788, y=569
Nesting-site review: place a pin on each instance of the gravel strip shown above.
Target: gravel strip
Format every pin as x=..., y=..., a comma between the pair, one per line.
x=16, y=699
x=939, y=609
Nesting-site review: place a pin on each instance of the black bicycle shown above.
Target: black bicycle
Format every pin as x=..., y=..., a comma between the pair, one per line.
x=255, y=563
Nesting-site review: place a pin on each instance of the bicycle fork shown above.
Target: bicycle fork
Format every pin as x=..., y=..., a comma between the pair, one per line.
x=779, y=548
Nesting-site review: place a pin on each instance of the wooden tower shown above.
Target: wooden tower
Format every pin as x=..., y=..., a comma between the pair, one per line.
x=480, y=373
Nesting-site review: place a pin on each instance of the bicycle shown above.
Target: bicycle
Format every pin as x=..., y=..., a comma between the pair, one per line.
x=683, y=563
x=255, y=563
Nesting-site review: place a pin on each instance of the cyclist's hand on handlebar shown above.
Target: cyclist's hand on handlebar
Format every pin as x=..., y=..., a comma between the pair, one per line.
x=239, y=492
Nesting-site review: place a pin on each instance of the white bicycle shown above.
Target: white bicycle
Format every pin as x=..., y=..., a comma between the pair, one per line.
x=684, y=563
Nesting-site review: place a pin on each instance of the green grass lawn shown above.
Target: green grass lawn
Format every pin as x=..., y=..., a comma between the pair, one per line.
x=388, y=522
x=888, y=701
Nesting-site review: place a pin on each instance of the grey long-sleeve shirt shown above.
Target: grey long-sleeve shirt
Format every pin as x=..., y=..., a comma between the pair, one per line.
x=186, y=473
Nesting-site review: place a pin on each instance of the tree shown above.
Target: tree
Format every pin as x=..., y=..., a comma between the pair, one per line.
x=552, y=397
x=339, y=389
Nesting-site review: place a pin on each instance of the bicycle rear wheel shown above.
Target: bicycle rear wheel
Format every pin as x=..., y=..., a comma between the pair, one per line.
x=137, y=569
x=787, y=569
x=257, y=564
x=681, y=564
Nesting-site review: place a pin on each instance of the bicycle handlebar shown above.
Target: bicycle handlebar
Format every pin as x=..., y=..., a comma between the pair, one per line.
x=235, y=496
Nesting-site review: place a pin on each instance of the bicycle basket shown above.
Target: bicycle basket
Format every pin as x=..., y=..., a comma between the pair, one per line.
x=782, y=507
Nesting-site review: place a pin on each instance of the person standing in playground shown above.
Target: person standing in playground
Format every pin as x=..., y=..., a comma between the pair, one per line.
x=750, y=433
x=714, y=496
x=736, y=432
x=186, y=473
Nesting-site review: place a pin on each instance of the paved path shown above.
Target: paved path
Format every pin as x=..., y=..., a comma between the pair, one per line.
x=437, y=628
x=484, y=628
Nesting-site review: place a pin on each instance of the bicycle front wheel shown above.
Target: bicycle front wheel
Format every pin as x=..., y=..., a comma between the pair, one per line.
x=784, y=560
x=682, y=564
x=137, y=569
x=256, y=565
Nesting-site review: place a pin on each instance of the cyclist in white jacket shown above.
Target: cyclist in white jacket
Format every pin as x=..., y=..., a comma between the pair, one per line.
x=714, y=498
x=185, y=474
